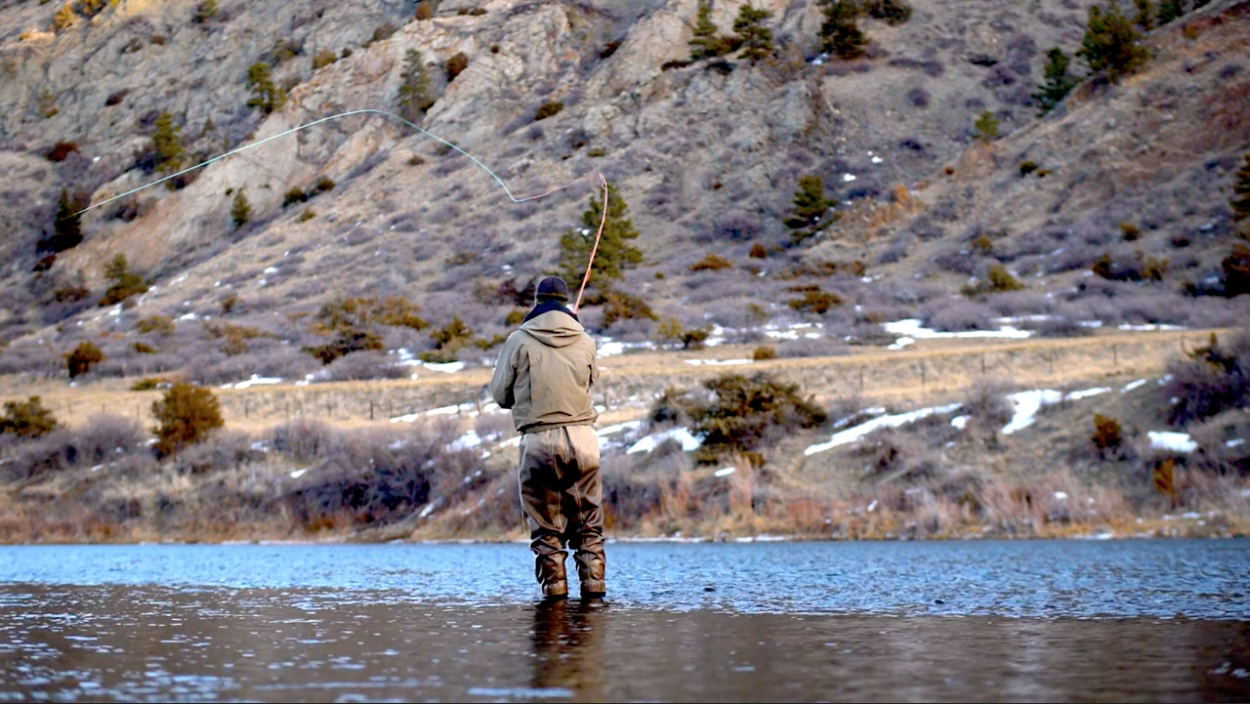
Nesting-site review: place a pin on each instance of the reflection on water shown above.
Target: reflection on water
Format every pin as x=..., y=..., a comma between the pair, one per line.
x=104, y=643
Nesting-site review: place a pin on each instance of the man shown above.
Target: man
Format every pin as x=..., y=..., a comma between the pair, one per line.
x=544, y=374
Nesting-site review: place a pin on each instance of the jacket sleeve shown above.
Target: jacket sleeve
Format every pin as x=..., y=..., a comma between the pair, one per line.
x=505, y=375
x=594, y=364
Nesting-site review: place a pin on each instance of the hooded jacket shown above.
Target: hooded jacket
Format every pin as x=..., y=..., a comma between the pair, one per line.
x=545, y=373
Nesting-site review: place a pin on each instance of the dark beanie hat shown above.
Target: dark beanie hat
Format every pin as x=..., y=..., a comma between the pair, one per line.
x=552, y=287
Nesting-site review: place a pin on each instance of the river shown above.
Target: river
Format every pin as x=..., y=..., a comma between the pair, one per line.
x=1164, y=620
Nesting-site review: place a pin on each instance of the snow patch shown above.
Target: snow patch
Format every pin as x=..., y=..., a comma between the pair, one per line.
x=1171, y=441
x=447, y=368
x=1133, y=385
x=852, y=434
x=688, y=442
x=912, y=328
x=1078, y=395
x=255, y=380
x=716, y=362
x=1026, y=404
x=1150, y=327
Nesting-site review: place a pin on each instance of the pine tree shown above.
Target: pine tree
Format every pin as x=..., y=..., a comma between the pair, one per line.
x=67, y=228
x=1241, y=192
x=414, y=88
x=240, y=210
x=1111, y=43
x=1170, y=10
x=705, y=44
x=187, y=414
x=266, y=96
x=166, y=143
x=1145, y=15
x=1058, y=81
x=986, y=127
x=205, y=12
x=810, y=208
x=615, y=251
x=757, y=40
x=840, y=32
x=125, y=282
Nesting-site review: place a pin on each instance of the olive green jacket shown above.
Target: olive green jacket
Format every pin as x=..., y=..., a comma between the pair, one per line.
x=545, y=373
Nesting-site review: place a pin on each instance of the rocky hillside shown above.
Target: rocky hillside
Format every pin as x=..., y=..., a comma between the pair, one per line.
x=707, y=155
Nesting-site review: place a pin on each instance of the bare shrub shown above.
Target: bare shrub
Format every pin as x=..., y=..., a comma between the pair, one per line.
x=1058, y=327
x=807, y=347
x=379, y=476
x=101, y=440
x=271, y=359
x=732, y=226
x=222, y=450
x=365, y=365
x=987, y=407
x=1213, y=378
x=890, y=454
x=305, y=439
x=494, y=427
x=955, y=315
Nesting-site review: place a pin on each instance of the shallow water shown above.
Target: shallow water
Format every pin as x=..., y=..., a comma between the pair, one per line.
x=967, y=621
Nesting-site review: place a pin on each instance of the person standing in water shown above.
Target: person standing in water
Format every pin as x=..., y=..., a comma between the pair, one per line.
x=544, y=374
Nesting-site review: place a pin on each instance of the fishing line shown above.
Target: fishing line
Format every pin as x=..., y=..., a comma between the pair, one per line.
x=371, y=111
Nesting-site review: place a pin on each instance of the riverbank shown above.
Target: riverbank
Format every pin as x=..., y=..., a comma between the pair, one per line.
x=966, y=456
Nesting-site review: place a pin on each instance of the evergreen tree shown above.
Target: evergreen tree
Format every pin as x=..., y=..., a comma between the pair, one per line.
x=986, y=127
x=1145, y=15
x=615, y=251
x=1058, y=81
x=757, y=40
x=840, y=32
x=810, y=207
x=1111, y=43
x=166, y=143
x=67, y=228
x=266, y=96
x=1241, y=192
x=240, y=210
x=414, y=88
x=187, y=414
x=205, y=12
x=892, y=11
x=125, y=282
x=705, y=44
x=1170, y=10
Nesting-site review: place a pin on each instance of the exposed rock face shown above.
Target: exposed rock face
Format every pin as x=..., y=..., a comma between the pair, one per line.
x=687, y=144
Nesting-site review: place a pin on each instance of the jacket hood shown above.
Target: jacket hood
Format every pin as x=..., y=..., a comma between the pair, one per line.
x=554, y=329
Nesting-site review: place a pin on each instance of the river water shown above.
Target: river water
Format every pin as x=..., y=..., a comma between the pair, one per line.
x=1165, y=620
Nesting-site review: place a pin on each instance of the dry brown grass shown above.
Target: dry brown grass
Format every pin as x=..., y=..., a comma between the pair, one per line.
x=1006, y=489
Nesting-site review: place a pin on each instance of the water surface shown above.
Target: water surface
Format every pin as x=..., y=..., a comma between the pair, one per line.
x=960, y=621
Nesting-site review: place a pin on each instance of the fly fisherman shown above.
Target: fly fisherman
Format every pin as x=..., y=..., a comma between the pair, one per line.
x=544, y=374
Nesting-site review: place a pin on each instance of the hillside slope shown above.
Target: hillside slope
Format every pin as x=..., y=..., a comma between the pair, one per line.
x=706, y=155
